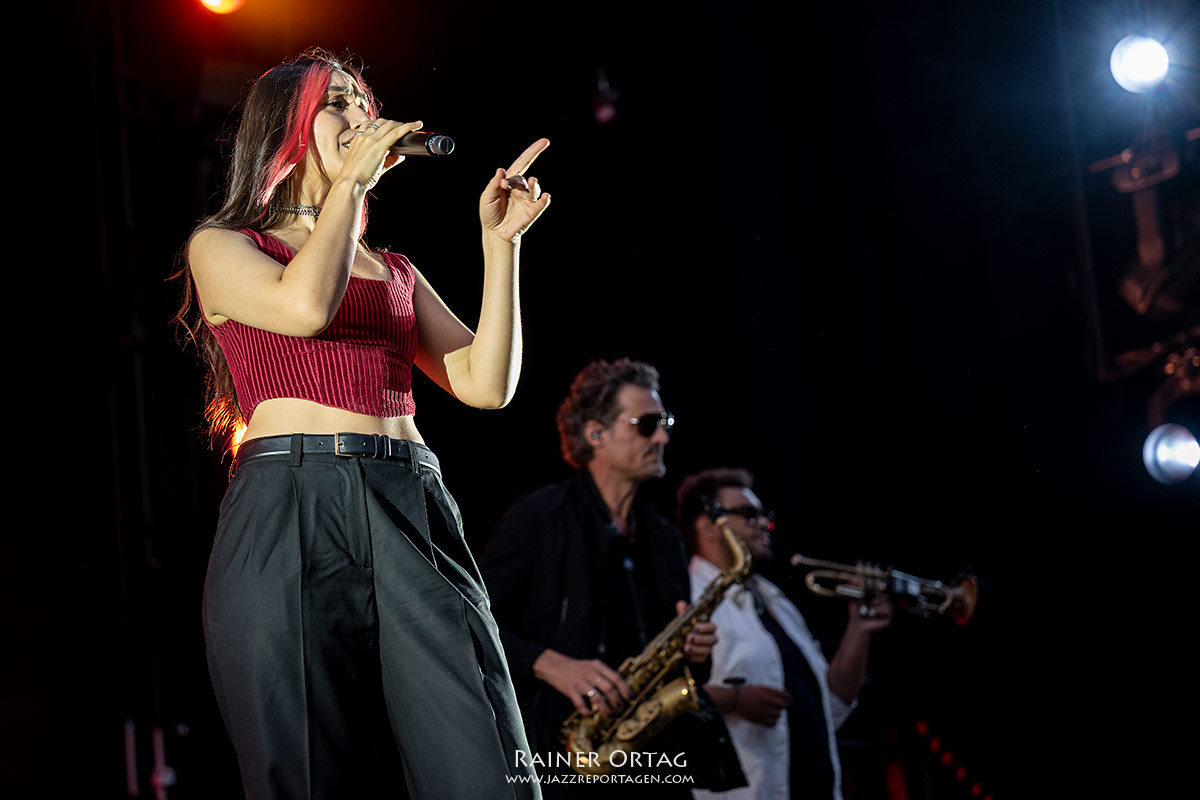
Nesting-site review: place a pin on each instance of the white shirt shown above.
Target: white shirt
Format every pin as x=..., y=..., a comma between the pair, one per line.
x=745, y=649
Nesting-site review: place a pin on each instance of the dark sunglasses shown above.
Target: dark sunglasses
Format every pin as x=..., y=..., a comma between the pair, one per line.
x=753, y=515
x=646, y=423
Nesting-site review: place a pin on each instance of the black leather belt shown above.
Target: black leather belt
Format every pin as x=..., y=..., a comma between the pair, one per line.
x=347, y=445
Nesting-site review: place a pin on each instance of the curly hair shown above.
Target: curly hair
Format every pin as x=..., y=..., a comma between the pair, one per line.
x=695, y=490
x=593, y=395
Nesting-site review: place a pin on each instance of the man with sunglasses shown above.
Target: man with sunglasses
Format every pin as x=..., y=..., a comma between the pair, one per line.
x=782, y=701
x=582, y=574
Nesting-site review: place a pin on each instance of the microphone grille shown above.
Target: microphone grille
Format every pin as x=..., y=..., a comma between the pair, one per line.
x=440, y=145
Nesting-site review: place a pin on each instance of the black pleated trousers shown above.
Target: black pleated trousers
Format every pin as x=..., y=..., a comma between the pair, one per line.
x=349, y=636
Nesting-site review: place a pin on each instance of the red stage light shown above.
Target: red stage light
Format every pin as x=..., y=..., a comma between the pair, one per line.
x=895, y=780
x=223, y=6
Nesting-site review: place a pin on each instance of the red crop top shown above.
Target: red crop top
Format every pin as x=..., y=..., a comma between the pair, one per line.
x=362, y=362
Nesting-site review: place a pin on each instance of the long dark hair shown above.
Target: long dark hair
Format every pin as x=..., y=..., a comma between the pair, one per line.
x=268, y=164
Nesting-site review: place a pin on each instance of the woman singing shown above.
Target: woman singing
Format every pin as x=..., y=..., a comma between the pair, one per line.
x=348, y=632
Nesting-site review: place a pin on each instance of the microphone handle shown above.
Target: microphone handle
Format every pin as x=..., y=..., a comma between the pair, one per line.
x=423, y=143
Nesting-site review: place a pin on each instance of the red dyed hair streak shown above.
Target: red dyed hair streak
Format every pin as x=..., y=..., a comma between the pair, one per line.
x=306, y=102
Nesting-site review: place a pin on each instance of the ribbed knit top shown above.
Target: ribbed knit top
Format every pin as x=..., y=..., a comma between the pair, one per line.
x=362, y=362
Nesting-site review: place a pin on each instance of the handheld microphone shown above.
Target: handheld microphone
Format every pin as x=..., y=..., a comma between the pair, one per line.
x=423, y=143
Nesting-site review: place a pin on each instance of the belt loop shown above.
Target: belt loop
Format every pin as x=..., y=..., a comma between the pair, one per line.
x=412, y=457
x=297, y=449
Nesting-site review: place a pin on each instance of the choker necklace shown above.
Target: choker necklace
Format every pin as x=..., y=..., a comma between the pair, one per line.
x=292, y=208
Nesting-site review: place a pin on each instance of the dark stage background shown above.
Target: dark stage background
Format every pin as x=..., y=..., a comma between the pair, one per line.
x=863, y=246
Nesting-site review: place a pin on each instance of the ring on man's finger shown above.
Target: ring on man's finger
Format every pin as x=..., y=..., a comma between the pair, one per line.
x=591, y=693
x=374, y=126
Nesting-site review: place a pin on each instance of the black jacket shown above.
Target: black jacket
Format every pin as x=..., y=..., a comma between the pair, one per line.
x=541, y=568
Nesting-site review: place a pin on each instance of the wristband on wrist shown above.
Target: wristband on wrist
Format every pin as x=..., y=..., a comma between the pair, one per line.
x=737, y=684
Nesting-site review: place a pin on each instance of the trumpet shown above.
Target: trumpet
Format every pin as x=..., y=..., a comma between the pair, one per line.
x=864, y=582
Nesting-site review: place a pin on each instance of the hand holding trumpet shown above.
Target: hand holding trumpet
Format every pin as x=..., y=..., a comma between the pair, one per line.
x=872, y=611
x=864, y=582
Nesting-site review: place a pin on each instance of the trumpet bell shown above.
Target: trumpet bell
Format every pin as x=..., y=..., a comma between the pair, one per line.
x=966, y=590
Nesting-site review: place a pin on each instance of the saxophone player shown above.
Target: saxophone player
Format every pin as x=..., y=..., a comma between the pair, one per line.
x=582, y=574
x=785, y=701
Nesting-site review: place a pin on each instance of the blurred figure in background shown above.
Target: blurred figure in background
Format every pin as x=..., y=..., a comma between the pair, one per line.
x=782, y=701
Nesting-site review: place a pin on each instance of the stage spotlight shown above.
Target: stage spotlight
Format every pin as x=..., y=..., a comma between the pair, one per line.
x=1139, y=63
x=1171, y=453
x=223, y=6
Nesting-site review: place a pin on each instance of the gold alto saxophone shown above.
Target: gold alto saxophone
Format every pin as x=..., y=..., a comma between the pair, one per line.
x=593, y=740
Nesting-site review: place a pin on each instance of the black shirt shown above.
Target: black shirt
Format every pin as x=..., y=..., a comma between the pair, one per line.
x=810, y=766
x=631, y=605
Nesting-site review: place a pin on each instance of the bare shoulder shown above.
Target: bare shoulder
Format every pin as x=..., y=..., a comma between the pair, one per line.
x=221, y=257
x=234, y=278
x=213, y=246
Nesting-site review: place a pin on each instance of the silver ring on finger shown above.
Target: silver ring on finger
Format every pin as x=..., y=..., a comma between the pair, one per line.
x=374, y=126
x=591, y=693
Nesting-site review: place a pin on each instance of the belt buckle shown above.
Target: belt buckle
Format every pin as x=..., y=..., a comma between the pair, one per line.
x=337, y=448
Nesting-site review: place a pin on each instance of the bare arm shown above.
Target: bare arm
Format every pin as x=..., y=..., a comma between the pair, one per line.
x=482, y=368
x=761, y=705
x=849, y=663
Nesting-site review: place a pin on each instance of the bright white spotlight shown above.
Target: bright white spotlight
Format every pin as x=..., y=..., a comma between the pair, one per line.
x=1171, y=453
x=1139, y=63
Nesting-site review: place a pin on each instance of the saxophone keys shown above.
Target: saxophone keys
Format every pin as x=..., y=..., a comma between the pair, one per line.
x=643, y=715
